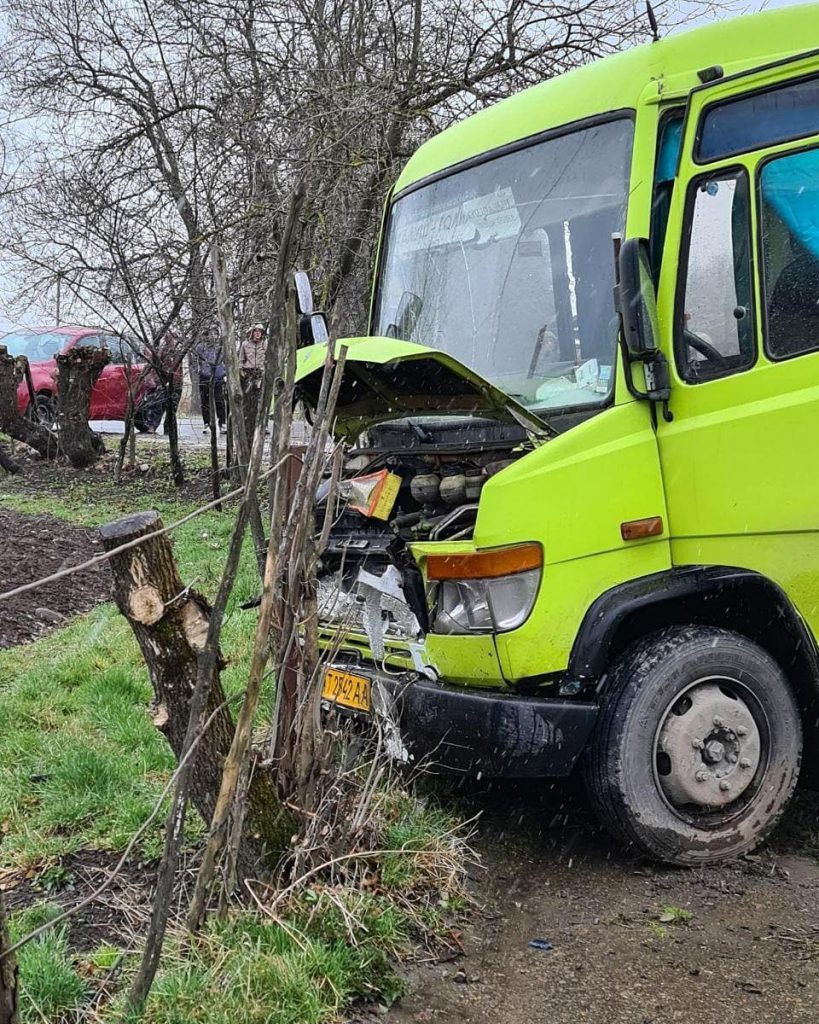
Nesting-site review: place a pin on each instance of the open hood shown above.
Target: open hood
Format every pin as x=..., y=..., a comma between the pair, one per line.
x=385, y=378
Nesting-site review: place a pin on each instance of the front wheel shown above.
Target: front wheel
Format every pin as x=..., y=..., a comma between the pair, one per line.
x=697, y=749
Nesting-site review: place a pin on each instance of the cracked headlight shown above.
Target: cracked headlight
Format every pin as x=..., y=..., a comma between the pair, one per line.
x=485, y=591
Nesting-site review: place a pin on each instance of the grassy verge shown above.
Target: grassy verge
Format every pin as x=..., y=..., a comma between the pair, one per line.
x=81, y=767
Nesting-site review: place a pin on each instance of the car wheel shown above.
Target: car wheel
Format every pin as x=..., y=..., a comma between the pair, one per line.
x=44, y=410
x=139, y=422
x=697, y=747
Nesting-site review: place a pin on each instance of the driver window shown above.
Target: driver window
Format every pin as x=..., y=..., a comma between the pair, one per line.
x=715, y=329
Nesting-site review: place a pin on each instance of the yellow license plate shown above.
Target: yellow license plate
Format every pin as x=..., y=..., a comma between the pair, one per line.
x=346, y=689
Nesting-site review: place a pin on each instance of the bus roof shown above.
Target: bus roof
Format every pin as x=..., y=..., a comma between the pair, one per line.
x=617, y=82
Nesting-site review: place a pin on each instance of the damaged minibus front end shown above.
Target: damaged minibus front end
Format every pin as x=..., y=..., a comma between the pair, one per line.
x=409, y=608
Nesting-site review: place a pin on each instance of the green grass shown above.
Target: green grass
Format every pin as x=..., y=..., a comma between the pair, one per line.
x=80, y=762
x=52, y=990
x=305, y=972
x=81, y=766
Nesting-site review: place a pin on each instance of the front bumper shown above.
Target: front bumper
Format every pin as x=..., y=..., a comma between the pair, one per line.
x=456, y=730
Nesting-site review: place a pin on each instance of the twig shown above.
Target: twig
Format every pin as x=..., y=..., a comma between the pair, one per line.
x=291, y=932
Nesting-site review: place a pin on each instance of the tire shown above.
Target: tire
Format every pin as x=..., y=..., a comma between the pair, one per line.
x=44, y=410
x=651, y=784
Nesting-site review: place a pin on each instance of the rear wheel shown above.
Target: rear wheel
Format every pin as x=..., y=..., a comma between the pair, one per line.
x=697, y=748
x=44, y=410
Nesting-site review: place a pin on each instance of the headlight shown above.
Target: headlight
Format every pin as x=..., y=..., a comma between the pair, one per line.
x=485, y=591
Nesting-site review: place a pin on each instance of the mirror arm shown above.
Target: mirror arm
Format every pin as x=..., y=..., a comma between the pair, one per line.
x=660, y=391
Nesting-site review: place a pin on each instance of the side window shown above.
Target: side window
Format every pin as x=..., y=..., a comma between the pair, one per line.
x=715, y=330
x=91, y=341
x=789, y=233
x=789, y=111
x=665, y=171
x=117, y=347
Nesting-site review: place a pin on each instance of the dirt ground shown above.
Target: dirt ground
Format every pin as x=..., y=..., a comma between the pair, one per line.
x=749, y=951
x=36, y=546
x=120, y=911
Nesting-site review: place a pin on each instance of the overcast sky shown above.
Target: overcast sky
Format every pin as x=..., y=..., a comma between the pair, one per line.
x=10, y=317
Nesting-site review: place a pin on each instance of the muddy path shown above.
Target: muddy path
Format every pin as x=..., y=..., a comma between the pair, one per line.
x=749, y=951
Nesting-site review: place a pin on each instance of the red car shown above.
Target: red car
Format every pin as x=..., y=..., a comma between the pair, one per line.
x=109, y=396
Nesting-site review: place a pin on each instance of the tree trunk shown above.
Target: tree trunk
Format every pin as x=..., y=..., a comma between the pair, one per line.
x=12, y=371
x=170, y=623
x=77, y=372
x=8, y=971
x=172, y=432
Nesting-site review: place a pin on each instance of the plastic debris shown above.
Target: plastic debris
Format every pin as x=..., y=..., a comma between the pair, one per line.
x=542, y=944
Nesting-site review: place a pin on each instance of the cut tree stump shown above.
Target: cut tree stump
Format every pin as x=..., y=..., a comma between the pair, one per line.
x=77, y=372
x=35, y=435
x=170, y=623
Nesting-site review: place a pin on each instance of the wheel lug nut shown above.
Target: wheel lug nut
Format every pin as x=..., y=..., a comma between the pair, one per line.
x=725, y=785
x=697, y=744
x=732, y=758
x=718, y=722
x=741, y=730
x=701, y=776
x=745, y=763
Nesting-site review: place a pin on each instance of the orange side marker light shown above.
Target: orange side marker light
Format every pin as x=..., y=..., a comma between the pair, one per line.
x=634, y=529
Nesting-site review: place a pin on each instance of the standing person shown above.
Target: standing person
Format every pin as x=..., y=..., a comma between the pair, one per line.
x=251, y=356
x=211, y=374
x=165, y=373
x=251, y=369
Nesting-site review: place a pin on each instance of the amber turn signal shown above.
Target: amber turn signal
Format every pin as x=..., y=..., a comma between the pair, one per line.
x=481, y=565
x=637, y=528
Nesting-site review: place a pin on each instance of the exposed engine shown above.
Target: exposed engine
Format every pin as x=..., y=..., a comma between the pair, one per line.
x=409, y=480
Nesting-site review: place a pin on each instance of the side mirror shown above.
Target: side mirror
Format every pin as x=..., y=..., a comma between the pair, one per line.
x=304, y=294
x=637, y=299
x=312, y=325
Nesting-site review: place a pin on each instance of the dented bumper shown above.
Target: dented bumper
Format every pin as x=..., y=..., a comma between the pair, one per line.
x=455, y=730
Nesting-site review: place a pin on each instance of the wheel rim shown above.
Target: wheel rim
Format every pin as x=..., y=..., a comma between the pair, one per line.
x=44, y=411
x=711, y=751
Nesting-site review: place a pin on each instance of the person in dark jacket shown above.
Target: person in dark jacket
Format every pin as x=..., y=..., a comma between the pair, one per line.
x=168, y=358
x=211, y=375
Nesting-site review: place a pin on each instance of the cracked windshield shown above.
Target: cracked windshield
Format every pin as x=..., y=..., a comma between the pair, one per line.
x=508, y=266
